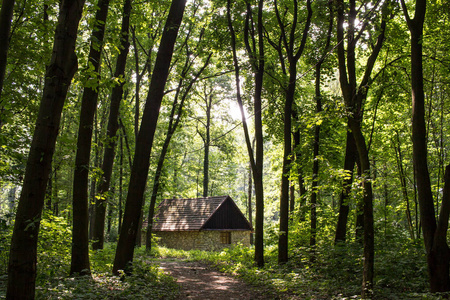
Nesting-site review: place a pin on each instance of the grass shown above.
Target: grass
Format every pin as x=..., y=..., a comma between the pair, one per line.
x=53, y=282
x=335, y=273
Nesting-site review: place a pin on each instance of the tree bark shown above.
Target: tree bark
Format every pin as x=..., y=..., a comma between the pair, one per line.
x=59, y=74
x=6, y=15
x=434, y=235
x=141, y=162
x=249, y=201
x=349, y=165
x=402, y=177
x=316, y=142
x=315, y=173
x=206, y=142
x=174, y=121
x=292, y=55
x=354, y=98
x=113, y=125
x=255, y=50
x=299, y=170
x=80, y=232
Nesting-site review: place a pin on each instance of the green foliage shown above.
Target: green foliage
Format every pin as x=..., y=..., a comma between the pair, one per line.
x=5, y=238
x=146, y=282
x=335, y=274
x=54, y=246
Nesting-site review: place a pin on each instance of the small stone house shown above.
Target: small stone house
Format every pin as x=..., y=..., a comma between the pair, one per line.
x=211, y=223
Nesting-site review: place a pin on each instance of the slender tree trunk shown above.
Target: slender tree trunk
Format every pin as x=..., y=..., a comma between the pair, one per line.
x=249, y=201
x=315, y=173
x=55, y=193
x=369, y=250
x=256, y=53
x=316, y=146
x=402, y=177
x=174, y=120
x=120, y=183
x=59, y=74
x=93, y=187
x=80, y=233
x=259, y=147
x=359, y=210
x=301, y=181
x=292, y=55
x=141, y=162
x=284, y=199
x=434, y=234
x=354, y=97
x=6, y=15
x=113, y=125
x=207, y=141
x=349, y=165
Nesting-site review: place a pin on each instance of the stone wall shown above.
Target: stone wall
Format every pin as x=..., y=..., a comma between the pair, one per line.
x=202, y=240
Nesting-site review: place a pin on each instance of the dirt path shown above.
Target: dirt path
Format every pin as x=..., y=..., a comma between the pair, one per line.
x=199, y=281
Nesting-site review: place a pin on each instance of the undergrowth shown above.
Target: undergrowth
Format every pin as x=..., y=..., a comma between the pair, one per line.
x=53, y=282
x=334, y=273
x=328, y=272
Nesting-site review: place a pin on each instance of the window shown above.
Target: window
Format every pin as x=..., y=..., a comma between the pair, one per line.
x=225, y=237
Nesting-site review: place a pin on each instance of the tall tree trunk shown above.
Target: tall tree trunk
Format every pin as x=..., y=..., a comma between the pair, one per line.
x=349, y=165
x=369, y=250
x=256, y=53
x=113, y=125
x=402, y=177
x=293, y=55
x=141, y=162
x=206, y=142
x=120, y=184
x=80, y=233
x=93, y=187
x=316, y=146
x=249, y=201
x=299, y=170
x=354, y=97
x=174, y=120
x=434, y=234
x=284, y=199
x=59, y=74
x=315, y=173
x=6, y=15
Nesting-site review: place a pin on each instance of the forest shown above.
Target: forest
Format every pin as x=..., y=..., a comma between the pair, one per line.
x=327, y=121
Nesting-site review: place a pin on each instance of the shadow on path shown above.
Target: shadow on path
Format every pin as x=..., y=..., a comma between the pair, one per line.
x=198, y=281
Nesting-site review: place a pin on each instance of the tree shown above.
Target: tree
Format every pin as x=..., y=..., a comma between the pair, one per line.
x=174, y=120
x=6, y=15
x=62, y=67
x=354, y=97
x=113, y=125
x=141, y=162
x=288, y=51
x=80, y=240
x=344, y=198
x=434, y=231
x=316, y=142
x=255, y=51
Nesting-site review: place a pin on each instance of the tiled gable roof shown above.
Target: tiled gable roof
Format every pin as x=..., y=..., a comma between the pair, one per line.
x=185, y=214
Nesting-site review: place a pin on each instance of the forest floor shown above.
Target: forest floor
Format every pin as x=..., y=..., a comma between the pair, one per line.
x=199, y=280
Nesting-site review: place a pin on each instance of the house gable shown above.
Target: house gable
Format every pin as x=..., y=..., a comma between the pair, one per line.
x=227, y=217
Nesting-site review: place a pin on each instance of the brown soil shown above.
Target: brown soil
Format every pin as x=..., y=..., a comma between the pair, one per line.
x=199, y=281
